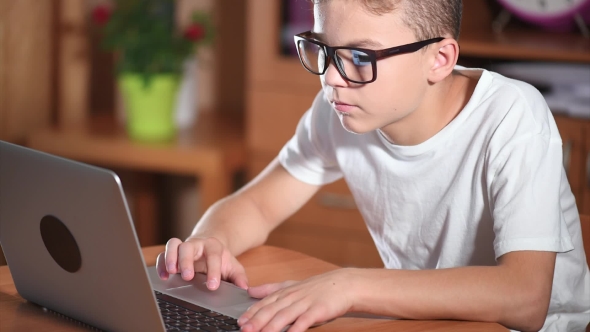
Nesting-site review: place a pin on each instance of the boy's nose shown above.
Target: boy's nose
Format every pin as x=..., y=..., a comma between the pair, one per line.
x=333, y=78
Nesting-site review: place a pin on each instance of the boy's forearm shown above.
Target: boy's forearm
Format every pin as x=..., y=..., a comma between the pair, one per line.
x=236, y=222
x=244, y=219
x=487, y=294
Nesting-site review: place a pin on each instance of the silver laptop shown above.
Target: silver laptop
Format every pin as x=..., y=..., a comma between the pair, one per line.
x=70, y=244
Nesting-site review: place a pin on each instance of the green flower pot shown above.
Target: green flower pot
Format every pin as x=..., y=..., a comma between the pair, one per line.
x=150, y=106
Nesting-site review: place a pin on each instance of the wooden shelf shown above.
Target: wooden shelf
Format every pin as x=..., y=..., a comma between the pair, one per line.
x=518, y=40
x=101, y=141
x=212, y=152
x=525, y=44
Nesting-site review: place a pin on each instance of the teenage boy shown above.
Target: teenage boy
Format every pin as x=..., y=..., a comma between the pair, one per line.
x=457, y=173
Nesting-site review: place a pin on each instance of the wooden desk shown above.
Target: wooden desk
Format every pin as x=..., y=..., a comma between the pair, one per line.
x=263, y=265
x=212, y=152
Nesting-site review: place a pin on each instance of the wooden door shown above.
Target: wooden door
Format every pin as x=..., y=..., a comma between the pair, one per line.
x=26, y=58
x=585, y=223
x=73, y=63
x=584, y=205
x=571, y=131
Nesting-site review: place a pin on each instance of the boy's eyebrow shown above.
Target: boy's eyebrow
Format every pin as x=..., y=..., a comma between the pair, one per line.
x=364, y=43
x=354, y=43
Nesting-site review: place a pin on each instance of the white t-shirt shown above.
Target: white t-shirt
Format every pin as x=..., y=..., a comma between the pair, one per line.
x=489, y=183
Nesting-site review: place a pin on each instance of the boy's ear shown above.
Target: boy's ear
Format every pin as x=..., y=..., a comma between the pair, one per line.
x=446, y=54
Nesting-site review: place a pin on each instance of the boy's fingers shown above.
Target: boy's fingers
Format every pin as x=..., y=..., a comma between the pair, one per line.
x=180, y=257
x=238, y=275
x=263, y=291
x=213, y=257
x=188, y=252
x=172, y=255
x=241, y=281
x=161, y=266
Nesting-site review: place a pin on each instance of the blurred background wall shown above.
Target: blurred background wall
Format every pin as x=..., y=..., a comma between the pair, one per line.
x=251, y=91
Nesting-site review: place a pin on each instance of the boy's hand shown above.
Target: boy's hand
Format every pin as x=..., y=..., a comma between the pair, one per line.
x=206, y=255
x=303, y=304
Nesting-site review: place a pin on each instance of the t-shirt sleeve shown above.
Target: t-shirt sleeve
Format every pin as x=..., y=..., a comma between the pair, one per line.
x=525, y=188
x=310, y=154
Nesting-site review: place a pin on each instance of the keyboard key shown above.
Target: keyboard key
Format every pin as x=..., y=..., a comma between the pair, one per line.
x=230, y=327
x=232, y=321
x=212, y=314
x=198, y=324
x=209, y=328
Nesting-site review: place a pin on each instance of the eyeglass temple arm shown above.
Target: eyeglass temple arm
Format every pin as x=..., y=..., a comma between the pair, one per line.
x=413, y=47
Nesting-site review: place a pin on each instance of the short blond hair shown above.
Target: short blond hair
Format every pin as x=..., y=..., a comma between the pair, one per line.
x=426, y=18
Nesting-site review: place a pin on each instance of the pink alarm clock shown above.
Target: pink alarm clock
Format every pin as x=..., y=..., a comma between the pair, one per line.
x=559, y=15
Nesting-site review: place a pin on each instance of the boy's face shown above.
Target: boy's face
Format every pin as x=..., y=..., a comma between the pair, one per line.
x=401, y=80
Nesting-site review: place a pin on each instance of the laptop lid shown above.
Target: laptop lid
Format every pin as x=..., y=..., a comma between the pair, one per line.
x=69, y=241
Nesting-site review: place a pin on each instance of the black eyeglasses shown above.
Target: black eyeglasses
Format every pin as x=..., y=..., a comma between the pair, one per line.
x=358, y=65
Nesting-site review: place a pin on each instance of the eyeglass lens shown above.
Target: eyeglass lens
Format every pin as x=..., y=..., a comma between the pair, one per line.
x=356, y=65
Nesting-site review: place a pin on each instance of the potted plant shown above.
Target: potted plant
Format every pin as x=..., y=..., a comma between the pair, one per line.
x=150, y=51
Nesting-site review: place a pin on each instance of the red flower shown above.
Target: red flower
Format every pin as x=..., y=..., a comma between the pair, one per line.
x=101, y=15
x=194, y=32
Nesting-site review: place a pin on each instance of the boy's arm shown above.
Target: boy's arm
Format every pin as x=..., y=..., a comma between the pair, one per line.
x=245, y=219
x=515, y=293
x=234, y=225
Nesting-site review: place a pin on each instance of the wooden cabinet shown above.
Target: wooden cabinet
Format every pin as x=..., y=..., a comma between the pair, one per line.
x=25, y=67
x=575, y=134
x=584, y=205
x=279, y=91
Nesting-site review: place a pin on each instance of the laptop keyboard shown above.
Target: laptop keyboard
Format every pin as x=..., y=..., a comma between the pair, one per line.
x=180, y=315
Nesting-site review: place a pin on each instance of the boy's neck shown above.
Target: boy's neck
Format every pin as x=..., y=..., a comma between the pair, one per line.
x=442, y=103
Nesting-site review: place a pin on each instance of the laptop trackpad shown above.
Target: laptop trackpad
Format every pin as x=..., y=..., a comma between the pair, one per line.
x=229, y=296
x=226, y=295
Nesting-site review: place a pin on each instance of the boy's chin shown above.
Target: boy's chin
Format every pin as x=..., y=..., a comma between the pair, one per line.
x=353, y=128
